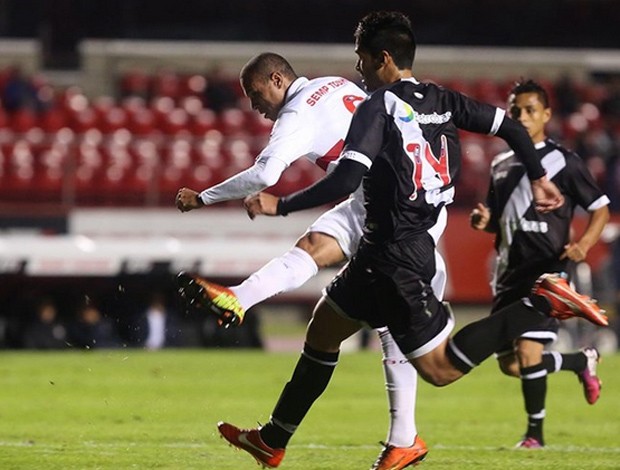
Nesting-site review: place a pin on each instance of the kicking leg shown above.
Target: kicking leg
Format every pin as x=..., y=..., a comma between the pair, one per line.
x=288, y=272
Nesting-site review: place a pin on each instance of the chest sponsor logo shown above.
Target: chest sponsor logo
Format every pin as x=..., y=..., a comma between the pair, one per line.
x=533, y=226
x=433, y=118
x=409, y=113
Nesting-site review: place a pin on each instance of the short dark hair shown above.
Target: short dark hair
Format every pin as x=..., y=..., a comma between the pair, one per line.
x=389, y=31
x=263, y=65
x=529, y=86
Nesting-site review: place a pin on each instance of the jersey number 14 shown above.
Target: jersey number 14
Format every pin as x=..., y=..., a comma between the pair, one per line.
x=429, y=172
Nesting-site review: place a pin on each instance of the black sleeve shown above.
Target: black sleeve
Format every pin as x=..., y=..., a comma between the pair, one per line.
x=580, y=184
x=517, y=137
x=341, y=182
x=491, y=203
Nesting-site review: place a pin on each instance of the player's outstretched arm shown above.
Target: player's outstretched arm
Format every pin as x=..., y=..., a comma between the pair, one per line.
x=338, y=184
x=264, y=173
x=187, y=200
x=547, y=196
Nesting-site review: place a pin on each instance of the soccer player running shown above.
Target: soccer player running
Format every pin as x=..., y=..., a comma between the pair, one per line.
x=311, y=120
x=530, y=243
x=403, y=143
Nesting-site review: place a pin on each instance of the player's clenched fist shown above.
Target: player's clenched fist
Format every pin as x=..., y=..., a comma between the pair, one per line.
x=479, y=217
x=261, y=203
x=187, y=199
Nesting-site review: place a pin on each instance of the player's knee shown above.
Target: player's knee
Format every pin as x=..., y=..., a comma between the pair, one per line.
x=529, y=354
x=324, y=249
x=439, y=377
x=327, y=329
x=509, y=366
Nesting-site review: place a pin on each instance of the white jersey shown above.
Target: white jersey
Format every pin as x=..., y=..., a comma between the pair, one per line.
x=313, y=123
x=314, y=120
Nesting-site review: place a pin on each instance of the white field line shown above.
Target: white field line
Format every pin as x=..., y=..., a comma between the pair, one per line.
x=189, y=445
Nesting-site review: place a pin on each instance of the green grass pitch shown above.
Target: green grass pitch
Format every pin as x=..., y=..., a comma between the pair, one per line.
x=132, y=409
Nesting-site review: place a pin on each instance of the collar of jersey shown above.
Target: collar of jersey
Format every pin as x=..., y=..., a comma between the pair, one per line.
x=540, y=145
x=295, y=87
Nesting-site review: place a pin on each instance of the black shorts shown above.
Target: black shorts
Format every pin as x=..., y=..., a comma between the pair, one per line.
x=391, y=286
x=545, y=332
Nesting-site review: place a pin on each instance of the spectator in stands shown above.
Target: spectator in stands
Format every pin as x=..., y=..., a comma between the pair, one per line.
x=156, y=317
x=566, y=96
x=19, y=92
x=220, y=94
x=158, y=325
x=45, y=331
x=91, y=329
x=610, y=106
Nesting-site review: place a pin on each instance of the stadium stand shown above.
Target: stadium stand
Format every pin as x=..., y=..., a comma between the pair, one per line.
x=156, y=133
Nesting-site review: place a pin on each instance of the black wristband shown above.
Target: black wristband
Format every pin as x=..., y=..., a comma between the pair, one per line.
x=281, y=208
x=199, y=200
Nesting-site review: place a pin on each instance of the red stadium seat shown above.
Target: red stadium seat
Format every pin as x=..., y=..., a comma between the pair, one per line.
x=23, y=120
x=166, y=83
x=175, y=122
x=202, y=122
x=102, y=105
x=135, y=83
x=297, y=176
x=84, y=120
x=232, y=121
x=53, y=119
x=259, y=124
x=4, y=118
x=51, y=171
x=113, y=119
x=193, y=85
x=20, y=171
x=142, y=122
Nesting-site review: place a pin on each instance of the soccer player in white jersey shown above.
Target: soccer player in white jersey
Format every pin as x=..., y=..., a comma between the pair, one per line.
x=403, y=147
x=311, y=118
x=530, y=243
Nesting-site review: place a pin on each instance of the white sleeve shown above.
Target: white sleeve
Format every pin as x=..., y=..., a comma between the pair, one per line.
x=264, y=173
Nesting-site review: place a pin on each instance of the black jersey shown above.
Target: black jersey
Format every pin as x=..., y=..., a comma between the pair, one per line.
x=406, y=134
x=529, y=242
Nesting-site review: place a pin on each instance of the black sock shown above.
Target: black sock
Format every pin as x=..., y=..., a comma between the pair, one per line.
x=478, y=340
x=312, y=374
x=575, y=362
x=534, y=388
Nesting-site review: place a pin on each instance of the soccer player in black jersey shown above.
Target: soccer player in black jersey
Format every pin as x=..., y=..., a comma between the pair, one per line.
x=530, y=243
x=403, y=146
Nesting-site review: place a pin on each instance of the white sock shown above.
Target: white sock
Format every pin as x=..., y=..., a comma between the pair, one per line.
x=283, y=274
x=401, y=383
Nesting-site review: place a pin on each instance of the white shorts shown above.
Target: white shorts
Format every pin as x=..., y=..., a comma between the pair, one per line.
x=343, y=222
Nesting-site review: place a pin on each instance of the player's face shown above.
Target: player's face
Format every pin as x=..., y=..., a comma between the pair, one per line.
x=368, y=68
x=266, y=96
x=531, y=113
